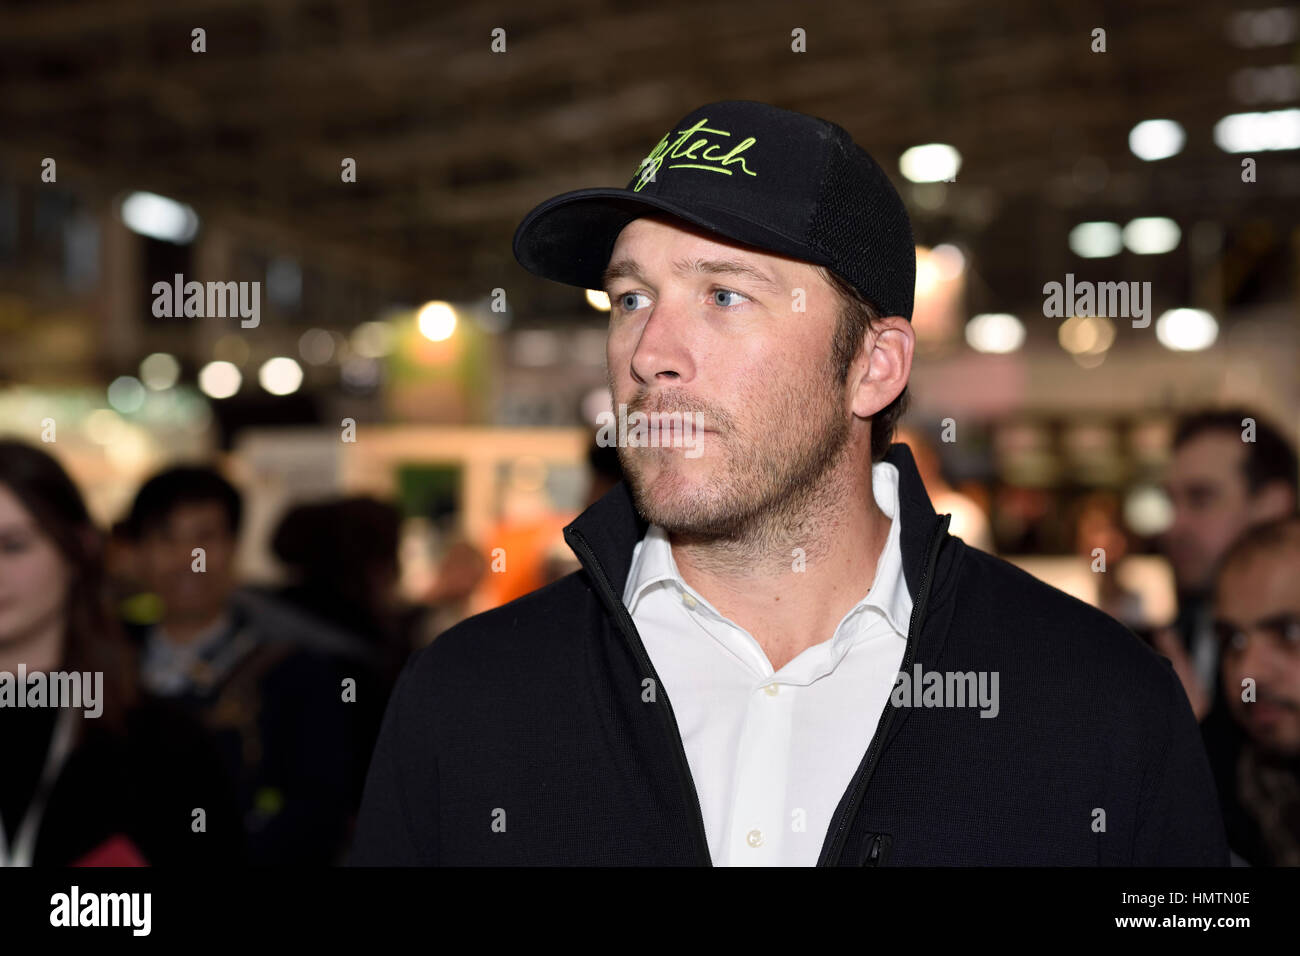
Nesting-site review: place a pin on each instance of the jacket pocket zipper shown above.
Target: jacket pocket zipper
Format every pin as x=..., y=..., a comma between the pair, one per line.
x=879, y=852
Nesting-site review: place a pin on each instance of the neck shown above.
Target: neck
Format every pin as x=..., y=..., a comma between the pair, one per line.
x=795, y=573
x=185, y=628
x=39, y=650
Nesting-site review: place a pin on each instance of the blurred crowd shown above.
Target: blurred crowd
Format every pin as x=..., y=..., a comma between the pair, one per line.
x=238, y=721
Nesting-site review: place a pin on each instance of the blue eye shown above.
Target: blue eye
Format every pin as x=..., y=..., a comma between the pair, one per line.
x=623, y=303
x=717, y=292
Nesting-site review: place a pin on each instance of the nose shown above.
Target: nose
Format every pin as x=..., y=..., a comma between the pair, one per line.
x=663, y=352
x=1258, y=659
x=180, y=555
x=1178, y=520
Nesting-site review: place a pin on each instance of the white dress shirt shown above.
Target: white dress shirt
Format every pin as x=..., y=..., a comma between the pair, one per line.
x=771, y=753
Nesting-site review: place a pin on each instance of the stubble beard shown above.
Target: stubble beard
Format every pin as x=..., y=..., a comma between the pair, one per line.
x=773, y=486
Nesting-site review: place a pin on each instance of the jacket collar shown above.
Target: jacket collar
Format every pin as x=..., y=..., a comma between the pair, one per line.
x=612, y=527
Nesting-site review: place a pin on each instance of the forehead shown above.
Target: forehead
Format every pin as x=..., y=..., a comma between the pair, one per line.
x=188, y=512
x=12, y=512
x=1211, y=456
x=1261, y=585
x=651, y=237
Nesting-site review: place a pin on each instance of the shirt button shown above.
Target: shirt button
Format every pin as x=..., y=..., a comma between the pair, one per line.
x=688, y=600
x=771, y=690
x=754, y=838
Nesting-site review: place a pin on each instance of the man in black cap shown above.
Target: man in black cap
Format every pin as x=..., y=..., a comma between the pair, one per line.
x=849, y=684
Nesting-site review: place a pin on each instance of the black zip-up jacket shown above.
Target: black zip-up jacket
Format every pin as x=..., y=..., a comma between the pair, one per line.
x=523, y=735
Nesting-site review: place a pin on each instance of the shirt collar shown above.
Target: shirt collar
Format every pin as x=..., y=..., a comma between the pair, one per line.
x=652, y=562
x=209, y=637
x=166, y=664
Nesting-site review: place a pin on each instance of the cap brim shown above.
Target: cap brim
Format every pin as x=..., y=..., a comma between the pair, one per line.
x=569, y=237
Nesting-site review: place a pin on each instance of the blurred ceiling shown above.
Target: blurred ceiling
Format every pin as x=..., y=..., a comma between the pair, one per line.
x=455, y=143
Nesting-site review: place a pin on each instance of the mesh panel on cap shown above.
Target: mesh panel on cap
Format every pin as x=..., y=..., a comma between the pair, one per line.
x=860, y=224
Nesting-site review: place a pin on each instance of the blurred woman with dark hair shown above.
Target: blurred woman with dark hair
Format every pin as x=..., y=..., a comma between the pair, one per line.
x=138, y=784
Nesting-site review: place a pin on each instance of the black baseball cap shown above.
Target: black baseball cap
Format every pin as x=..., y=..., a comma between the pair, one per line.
x=777, y=180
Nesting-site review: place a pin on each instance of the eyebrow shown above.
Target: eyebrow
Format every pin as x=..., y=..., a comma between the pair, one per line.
x=1281, y=619
x=629, y=268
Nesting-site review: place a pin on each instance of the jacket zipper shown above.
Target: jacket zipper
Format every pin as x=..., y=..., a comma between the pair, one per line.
x=863, y=775
x=858, y=787
x=873, y=858
x=629, y=631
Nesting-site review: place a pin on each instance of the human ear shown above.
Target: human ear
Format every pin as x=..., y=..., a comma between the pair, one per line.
x=885, y=366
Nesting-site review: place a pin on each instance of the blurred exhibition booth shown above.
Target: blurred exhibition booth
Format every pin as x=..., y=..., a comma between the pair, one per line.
x=397, y=351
